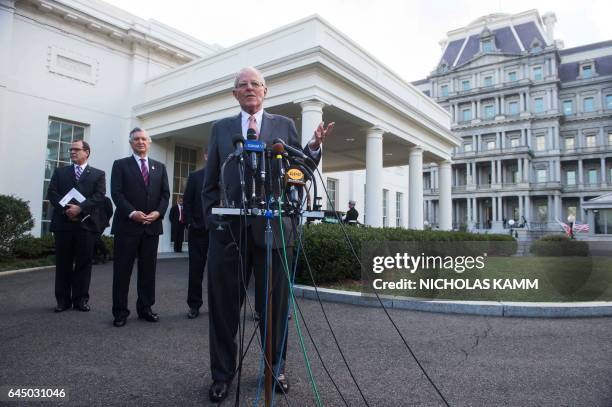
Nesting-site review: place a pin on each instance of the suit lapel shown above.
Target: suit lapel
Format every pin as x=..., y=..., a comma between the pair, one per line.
x=267, y=128
x=84, y=175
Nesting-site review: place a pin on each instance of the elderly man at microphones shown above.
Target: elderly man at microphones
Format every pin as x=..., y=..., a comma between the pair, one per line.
x=236, y=253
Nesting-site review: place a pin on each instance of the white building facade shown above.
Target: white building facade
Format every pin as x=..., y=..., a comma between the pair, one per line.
x=88, y=70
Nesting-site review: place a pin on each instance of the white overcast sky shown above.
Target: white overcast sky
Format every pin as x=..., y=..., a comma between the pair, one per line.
x=402, y=34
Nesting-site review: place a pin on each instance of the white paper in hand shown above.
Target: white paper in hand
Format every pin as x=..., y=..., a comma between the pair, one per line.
x=72, y=194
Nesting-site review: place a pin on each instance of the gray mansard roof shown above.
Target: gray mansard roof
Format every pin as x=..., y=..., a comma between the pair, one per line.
x=505, y=43
x=570, y=71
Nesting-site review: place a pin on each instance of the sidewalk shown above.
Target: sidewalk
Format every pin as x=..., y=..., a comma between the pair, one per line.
x=474, y=360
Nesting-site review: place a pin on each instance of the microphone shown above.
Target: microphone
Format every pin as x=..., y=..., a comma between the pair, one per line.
x=238, y=143
x=279, y=152
x=291, y=150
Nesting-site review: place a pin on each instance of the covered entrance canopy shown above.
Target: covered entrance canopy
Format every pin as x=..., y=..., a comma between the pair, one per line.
x=313, y=72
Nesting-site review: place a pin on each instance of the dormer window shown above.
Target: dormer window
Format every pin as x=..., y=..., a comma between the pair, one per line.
x=487, y=46
x=487, y=41
x=587, y=69
x=536, y=46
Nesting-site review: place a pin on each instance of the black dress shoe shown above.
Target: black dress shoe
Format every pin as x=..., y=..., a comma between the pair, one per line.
x=282, y=384
x=218, y=391
x=82, y=306
x=149, y=316
x=193, y=313
x=120, y=321
x=62, y=307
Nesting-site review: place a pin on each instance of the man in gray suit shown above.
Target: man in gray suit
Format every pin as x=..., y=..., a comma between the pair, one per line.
x=234, y=250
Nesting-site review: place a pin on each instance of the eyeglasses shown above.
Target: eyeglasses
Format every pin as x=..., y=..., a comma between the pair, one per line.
x=254, y=84
x=75, y=149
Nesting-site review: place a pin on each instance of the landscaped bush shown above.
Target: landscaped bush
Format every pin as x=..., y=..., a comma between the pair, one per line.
x=331, y=258
x=559, y=245
x=30, y=247
x=15, y=221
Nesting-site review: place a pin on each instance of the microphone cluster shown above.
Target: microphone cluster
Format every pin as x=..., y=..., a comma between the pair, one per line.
x=287, y=173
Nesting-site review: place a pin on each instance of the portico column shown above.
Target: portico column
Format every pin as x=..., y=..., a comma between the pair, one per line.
x=519, y=167
x=580, y=175
x=312, y=115
x=527, y=208
x=603, y=178
x=374, y=176
x=468, y=216
x=521, y=211
x=446, y=218
x=415, y=198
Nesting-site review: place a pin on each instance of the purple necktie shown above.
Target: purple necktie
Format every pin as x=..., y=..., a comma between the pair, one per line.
x=77, y=172
x=145, y=171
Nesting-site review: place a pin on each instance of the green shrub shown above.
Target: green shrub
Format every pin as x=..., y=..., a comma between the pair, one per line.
x=559, y=245
x=108, y=242
x=15, y=221
x=30, y=247
x=331, y=258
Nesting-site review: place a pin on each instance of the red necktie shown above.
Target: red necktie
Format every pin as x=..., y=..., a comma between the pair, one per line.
x=145, y=171
x=253, y=125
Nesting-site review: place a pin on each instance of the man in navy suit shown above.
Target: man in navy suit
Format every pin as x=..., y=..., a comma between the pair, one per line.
x=75, y=226
x=139, y=188
x=226, y=285
x=198, y=240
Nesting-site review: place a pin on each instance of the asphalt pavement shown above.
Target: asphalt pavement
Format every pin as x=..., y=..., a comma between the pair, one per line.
x=473, y=360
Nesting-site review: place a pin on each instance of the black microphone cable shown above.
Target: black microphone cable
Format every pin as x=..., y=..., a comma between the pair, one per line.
x=342, y=227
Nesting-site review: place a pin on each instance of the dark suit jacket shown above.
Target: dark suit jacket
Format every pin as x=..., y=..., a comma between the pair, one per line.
x=92, y=185
x=105, y=213
x=130, y=194
x=220, y=146
x=192, y=200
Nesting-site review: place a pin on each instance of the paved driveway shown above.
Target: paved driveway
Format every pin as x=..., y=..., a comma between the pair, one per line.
x=475, y=361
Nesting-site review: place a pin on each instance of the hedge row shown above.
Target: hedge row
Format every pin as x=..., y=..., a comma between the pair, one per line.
x=559, y=245
x=331, y=258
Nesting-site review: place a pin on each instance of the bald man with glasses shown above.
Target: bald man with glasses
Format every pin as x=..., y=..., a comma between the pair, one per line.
x=228, y=259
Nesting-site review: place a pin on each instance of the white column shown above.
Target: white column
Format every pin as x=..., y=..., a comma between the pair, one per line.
x=494, y=207
x=502, y=108
x=474, y=210
x=557, y=209
x=580, y=213
x=499, y=172
x=374, y=177
x=493, y=172
x=526, y=172
x=522, y=102
x=521, y=211
x=603, y=178
x=468, y=217
x=580, y=175
x=519, y=166
x=446, y=219
x=415, y=195
x=527, y=208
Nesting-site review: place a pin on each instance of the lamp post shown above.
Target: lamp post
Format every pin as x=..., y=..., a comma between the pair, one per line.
x=571, y=219
x=426, y=224
x=511, y=224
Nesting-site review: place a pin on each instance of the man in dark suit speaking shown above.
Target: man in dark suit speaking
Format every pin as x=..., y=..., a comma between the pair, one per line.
x=139, y=188
x=75, y=226
x=226, y=287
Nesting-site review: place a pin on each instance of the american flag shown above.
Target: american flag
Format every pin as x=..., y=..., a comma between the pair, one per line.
x=581, y=227
x=578, y=227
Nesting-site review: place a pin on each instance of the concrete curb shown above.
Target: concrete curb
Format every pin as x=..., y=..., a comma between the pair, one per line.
x=487, y=308
x=11, y=272
x=161, y=256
